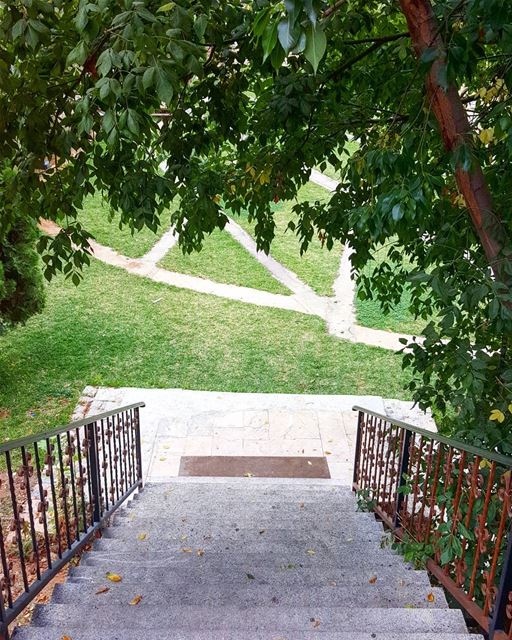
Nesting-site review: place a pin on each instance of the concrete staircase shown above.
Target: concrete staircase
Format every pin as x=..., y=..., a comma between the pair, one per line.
x=245, y=559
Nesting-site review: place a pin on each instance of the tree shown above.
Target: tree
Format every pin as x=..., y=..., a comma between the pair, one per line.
x=241, y=100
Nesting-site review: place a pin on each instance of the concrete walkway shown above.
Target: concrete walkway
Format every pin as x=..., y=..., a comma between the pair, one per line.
x=178, y=422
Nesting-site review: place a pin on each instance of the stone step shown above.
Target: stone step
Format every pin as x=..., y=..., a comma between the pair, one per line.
x=252, y=593
x=211, y=505
x=172, y=575
x=356, y=558
x=68, y=618
x=251, y=531
x=215, y=569
x=125, y=633
x=338, y=550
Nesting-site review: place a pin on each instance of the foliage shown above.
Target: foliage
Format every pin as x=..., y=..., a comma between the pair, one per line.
x=253, y=95
x=21, y=290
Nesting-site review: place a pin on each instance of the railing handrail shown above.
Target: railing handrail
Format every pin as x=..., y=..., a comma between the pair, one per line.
x=434, y=435
x=23, y=442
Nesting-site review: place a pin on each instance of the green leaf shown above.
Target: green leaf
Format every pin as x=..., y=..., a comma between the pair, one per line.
x=19, y=28
x=166, y=7
x=132, y=122
x=200, y=26
x=316, y=44
x=288, y=34
x=148, y=77
x=397, y=212
x=269, y=40
x=164, y=87
x=78, y=55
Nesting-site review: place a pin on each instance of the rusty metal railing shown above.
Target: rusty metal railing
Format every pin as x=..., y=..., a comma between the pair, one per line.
x=57, y=490
x=450, y=503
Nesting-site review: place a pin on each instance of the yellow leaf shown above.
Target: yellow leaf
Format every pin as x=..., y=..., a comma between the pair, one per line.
x=498, y=415
x=311, y=552
x=248, y=475
x=102, y=590
x=183, y=537
x=113, y=577
x=510, y=407
x=186, y=550
x=66, y=638
x=484, y=463
x=431, y=597
x=486, y=135
x=134, y=601
x=142, y=536
x=216, y=199
x=327, y=453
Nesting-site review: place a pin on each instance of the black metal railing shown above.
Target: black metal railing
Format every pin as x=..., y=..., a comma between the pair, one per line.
x=57, y=490
x=450, y=506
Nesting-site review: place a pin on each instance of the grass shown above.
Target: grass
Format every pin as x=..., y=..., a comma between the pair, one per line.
x=223, y=259
x=399, y=319
x=318, y=267
x=115, y=329
x=95, y=218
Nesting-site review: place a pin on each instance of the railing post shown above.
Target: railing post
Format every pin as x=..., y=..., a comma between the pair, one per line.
x=92, y=439
x=138, y=447
x=404, y=465
x=357, y=453
x=499, y=615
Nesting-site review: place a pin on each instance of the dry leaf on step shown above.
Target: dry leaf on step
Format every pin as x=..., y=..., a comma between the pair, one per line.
x=431, y=597
x=200, y=552
x=311, y=552
x=186, y=550
x=373, y=580
x=134, y=601
x=102, y=590
x=142, y=536
x=113, y=577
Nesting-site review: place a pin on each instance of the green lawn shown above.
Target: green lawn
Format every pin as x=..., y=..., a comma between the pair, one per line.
x=399, y=319
x=225, y=260
x=115, y=329
x=95, y=218
x=318, y=267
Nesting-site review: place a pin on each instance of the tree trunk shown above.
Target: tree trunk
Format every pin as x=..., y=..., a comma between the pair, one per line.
x=456, y=130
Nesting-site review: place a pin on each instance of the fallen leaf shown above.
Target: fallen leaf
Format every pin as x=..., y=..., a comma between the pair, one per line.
x=310, y=463
x=66, y=638
x=262, y=531
x=316, y=623
x=163, y=459
x=311, y=552
x=301, y=505
x=113, y=577
x=332, y=583
x=102, y=590
x=183, y=537
x=327, y=453
x=250, y=576
x=134, y=601
x=248, y=475
x=200, y=552
x=142, y=536
x=186, y=549
x=373, y=580
x=431, y=597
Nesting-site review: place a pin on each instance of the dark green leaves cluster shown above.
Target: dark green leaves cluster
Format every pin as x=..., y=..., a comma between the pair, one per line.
x=217, y=103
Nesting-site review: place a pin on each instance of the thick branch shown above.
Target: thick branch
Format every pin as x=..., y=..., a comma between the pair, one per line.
x=450, y=113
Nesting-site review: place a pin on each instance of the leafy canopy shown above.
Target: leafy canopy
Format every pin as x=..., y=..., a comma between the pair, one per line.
x=240, y=101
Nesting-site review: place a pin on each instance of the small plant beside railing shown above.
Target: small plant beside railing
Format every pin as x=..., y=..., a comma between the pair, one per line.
x=450, y=507
x=57, y=490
